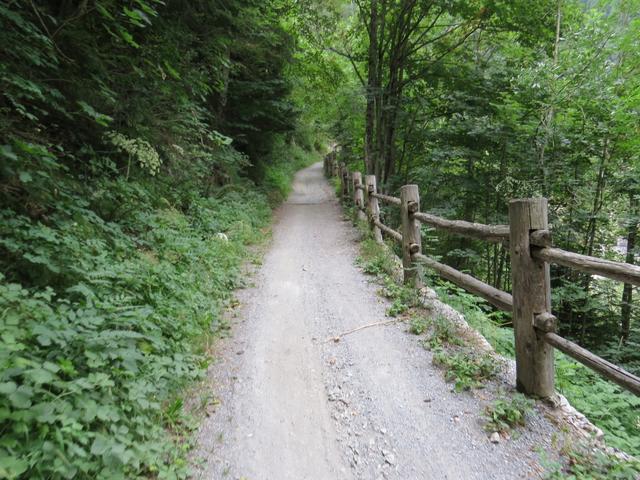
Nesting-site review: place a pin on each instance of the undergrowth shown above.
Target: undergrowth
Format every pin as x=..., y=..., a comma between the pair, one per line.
x=584, y=462
x=466, y=369
x=507, y=413
x=443, y=333
x=608, y=406
x=374, y=259
x=418, y=324
x=107, y=305
x=402, y=298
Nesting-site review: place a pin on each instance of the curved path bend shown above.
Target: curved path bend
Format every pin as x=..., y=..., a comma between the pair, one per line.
x=291, y=405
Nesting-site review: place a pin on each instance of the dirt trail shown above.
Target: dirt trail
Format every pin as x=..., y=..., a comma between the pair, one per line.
x=293, y=406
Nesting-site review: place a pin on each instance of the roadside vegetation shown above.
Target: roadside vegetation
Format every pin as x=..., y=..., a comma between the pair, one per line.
x=467, y=368
x=143, y=147
x=143, y=144
x=481, y=102
x=503, y=415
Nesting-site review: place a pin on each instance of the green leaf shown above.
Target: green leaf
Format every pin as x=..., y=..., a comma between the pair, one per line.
x=7, y=152
x=7, y=388
x=25, y=177
x=12, y=467
x=21, y=397
x=100, y=118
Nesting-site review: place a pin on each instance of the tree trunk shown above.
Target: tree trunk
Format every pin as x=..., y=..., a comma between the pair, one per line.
x=372, y=89
x=591, y=228
x=627, y=291
x=548, y=117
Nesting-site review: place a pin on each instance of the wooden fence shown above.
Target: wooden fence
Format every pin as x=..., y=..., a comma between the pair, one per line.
x=531, y=251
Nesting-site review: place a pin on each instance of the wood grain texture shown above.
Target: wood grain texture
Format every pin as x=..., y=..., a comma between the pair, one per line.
x=489, y=233
x=608, y=370
x=397, y=236
x=373, y=209
x=358, y=196
x=410, y=203
x=498, y=298
x=387, y=198
x=531, y=292
x=623, y=272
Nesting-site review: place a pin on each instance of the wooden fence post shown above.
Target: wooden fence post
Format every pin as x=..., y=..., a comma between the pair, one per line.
x=373, y=209
x=358, y=196
x=531, y=291
x=411, y=241
x=344, y=175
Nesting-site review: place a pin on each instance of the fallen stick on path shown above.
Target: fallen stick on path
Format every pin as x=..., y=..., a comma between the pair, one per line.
x=336, y=339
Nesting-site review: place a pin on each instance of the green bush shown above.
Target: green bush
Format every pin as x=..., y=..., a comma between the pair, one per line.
x=445, y=333
x=583, y=462
x=418, y=325
x=111, y=327
x=375, y=259
x=503, y=415
x=608, y=406
x=467, y=369
x=403, y=298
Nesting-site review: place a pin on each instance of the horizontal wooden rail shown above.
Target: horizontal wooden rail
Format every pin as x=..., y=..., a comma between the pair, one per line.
x=490, y=233
x=500, y=299
x=397, y=236
x=623, y=272
x=386, y=198
x=606, y=369
x=530, y=252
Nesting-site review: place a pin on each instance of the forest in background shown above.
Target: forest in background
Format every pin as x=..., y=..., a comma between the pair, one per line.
x=479, y=102
x=134, y=133
x=143, y=145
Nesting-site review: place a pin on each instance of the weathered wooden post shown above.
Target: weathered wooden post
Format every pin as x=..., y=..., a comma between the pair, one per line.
x=411, y=241
x=344, y=182
x=358, y=196
x=531, y=291
x=373, y=209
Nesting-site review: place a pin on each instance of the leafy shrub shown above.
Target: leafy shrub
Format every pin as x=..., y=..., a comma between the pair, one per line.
x=375, y=259
x=585, y=463
x=614, y=410
x=503, y=415
x=467, y=369
x=418, y=325
x=444, y=333
x=102, y=322
x=480, y=316
x=403, y=298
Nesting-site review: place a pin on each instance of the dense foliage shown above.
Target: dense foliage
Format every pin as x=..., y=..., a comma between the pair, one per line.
x=143, y=144
x=135, y=133
x=482, y=101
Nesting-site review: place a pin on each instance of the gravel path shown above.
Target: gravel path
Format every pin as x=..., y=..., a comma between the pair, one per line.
x=294, y=406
